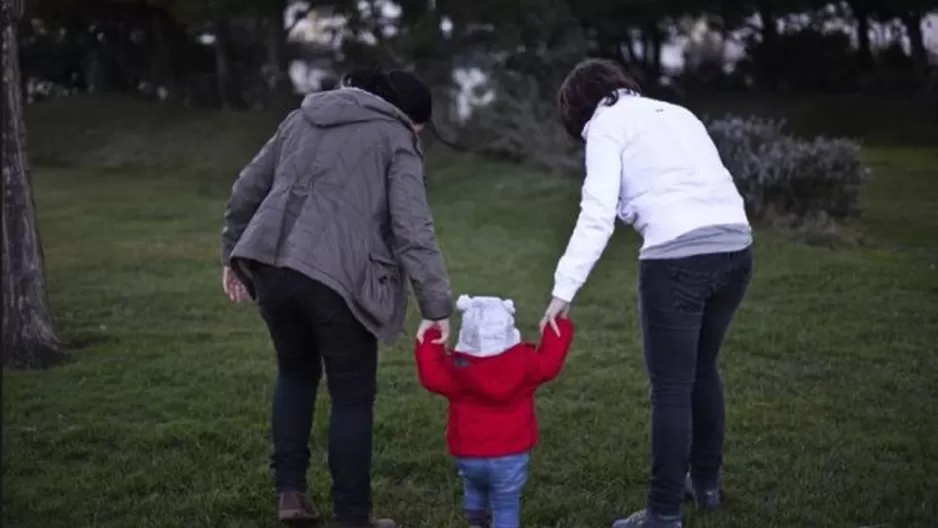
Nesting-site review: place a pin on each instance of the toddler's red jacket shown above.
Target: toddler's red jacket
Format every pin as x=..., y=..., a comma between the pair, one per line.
x=491, y=400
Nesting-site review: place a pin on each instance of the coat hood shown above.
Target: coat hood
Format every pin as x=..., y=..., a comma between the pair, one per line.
x=496, y=378
x=488, y=326
x=349, y=105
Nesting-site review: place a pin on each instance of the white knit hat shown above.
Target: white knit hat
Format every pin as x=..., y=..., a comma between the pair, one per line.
x=488, y=326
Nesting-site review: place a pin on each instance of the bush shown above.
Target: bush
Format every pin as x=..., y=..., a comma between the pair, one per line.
x=782, y=176
x=520, y=126
x=783, y=179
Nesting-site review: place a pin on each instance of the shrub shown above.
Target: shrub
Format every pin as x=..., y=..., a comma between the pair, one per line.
x=783, y=179
x=779, y=175
x=520, y=126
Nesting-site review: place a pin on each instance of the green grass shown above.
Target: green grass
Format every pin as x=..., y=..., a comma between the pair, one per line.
x=160, y=420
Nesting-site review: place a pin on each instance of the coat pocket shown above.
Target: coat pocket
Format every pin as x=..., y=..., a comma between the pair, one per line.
x=379, y=290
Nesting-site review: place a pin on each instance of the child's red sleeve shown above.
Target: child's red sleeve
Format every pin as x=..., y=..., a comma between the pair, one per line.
x=552, y=351
x=431, y=367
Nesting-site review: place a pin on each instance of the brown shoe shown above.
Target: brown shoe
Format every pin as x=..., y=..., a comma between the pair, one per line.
x=296, y=508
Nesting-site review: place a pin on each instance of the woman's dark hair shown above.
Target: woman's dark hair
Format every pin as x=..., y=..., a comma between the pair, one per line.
x=398, y=87
x=590, y=83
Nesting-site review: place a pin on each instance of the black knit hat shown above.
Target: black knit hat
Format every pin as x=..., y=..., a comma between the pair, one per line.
x=405, y=91
x=398, y=87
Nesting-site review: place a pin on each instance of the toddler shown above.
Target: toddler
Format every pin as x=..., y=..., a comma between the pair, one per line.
x=490, y=379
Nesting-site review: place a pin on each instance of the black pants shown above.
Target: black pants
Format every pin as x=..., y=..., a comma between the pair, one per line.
x=687, y=306
x=311, y=327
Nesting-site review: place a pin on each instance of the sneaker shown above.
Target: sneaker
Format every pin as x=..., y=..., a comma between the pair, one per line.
x=707, y=499
x=295, y=508
x=646, y=519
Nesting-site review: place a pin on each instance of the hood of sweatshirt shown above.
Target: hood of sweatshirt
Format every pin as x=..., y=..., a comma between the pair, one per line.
x=349, y=105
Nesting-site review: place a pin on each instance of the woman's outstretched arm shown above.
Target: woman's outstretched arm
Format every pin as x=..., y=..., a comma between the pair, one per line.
x=598, y=206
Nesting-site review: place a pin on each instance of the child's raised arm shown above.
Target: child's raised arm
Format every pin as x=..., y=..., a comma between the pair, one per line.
x=431, y=368
x=552, y=351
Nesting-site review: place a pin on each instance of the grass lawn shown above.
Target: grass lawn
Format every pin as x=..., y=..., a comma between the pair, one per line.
x=161, y=419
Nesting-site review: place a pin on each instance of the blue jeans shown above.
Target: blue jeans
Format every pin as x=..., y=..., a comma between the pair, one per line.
x=687, y=307
x=493, y=485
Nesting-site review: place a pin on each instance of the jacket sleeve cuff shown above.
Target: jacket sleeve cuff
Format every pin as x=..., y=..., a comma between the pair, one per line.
x=436, y=310
x=226, y=256
x=565, y=290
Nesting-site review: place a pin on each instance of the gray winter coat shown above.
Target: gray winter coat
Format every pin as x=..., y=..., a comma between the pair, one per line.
x=338, y=195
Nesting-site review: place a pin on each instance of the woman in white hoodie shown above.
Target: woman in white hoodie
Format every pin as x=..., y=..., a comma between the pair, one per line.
x=653, y=165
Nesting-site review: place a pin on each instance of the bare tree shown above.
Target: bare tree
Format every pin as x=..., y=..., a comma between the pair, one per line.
x=29, y=339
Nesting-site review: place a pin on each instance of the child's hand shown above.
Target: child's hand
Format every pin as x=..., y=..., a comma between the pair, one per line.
x=442, y=325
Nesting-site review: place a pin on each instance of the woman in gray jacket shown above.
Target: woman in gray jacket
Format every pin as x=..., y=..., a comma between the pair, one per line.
x=323, y=229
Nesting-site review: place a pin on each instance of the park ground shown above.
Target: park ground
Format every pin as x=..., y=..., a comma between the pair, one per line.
x=160, y=418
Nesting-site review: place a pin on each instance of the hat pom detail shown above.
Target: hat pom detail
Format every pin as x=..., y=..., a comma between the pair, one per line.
x=463, y=303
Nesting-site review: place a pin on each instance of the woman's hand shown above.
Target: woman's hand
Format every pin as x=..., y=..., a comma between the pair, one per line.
x=442, y=325
x=556, y=308
x=235, y=291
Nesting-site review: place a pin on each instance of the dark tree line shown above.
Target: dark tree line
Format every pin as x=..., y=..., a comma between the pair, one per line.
x=235, y=53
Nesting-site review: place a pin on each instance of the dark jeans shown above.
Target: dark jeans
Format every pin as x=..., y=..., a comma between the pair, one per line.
x=687, y=306
x=311, y=327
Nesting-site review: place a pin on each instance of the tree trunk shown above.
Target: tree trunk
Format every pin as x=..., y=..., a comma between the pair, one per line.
x=862, y=15
x=222, y=61
x=632, y=43
x=278, y=80
x=769, y=46
x=912, y=21
x=648, y=51
x=29, y=339
x=162, y=62
x=623, y=53
x=769, y=26
x=654, y=43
